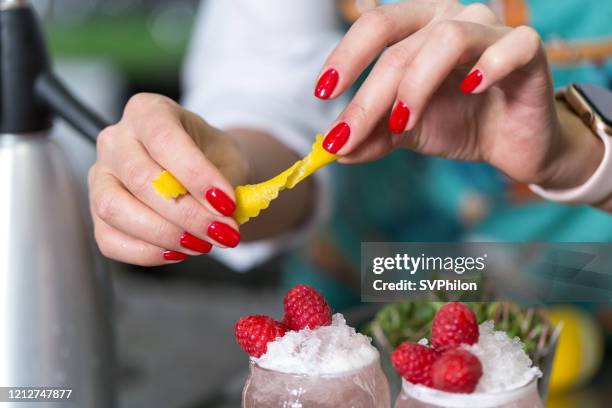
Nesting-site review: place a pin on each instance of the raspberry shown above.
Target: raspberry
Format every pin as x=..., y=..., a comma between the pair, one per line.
x=453, y=325
x=413, y=362
x=254, y=332
x=456, y=370
x=305, y=307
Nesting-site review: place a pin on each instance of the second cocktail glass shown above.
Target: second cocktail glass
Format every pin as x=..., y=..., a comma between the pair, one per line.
x=418, y=396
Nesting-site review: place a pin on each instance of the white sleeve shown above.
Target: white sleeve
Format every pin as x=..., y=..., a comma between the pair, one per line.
x=254, y=64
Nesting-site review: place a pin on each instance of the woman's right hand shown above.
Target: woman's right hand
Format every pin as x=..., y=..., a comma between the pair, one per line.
x=133, y=223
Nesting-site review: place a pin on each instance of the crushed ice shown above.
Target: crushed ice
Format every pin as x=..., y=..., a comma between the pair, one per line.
x=504, y=361
x=326, y=350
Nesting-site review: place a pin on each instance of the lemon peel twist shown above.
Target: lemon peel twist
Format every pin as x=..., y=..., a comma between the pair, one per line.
x=168, y=186
x=251, y=199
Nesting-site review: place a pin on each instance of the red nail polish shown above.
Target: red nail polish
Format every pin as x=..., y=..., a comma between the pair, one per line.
x=399, y=117
x=337, y=137
x=194, y=243
x=327, y=83
x=174, y=256
x=471, y=81
x=220, y=201
x=224, y=234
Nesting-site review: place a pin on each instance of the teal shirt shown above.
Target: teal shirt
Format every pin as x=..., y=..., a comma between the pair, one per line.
x=408, y=197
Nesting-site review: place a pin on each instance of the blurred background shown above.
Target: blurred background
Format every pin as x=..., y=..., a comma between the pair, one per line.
x=174, y=325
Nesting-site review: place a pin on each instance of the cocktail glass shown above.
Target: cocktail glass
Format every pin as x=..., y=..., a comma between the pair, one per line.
x=366, y=387
x=418, y=396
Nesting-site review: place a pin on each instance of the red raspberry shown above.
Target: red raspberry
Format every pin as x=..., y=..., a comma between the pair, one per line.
x=453, y=325
x=456, y=370
x=413, y=362
x=305, y=307
x=254, y=332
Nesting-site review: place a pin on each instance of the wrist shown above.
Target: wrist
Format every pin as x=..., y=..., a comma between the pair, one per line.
x=575, y=155
x=247, y=165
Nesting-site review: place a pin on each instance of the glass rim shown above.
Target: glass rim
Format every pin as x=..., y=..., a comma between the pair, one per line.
x=376, y=361
x=473, y=400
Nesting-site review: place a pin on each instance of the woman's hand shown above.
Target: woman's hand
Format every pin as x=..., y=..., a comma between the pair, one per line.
x=133, y=223
x=457, y=84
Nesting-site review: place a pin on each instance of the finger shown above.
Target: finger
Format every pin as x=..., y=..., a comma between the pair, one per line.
x=448, y=45
x=378, y=92
x=132, y=165
x=478, y=13
x=121, y=247
x=379, y=144
x=373, y=99
x=516, y=50
x=477, y=19
x=119, y=209
x=157, y=123
x=366, y=39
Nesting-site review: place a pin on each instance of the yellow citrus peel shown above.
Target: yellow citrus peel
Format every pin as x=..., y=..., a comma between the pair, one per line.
x=252, y=198
x=168, y=186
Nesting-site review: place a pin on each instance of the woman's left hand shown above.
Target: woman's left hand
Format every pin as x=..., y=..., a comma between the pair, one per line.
x=457, y=84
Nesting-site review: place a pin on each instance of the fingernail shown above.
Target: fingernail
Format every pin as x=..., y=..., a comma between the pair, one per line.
x=399, y=117
x=220, y=201
x=337, y=137
x=471, y=81
x=327, y=83
x=174, y=256
x=224, y=234
x=194, y=243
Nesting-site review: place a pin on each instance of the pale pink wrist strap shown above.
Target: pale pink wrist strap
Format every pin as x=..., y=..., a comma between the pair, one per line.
x=597, y=188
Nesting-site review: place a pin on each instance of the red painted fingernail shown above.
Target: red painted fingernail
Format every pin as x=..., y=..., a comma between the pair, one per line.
x=399, y=117
x=174, y=256
x=220, y=201
x=337, y=137
x=471, y=81
x=224, y=234
x=327, y=83
x=194, y=243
